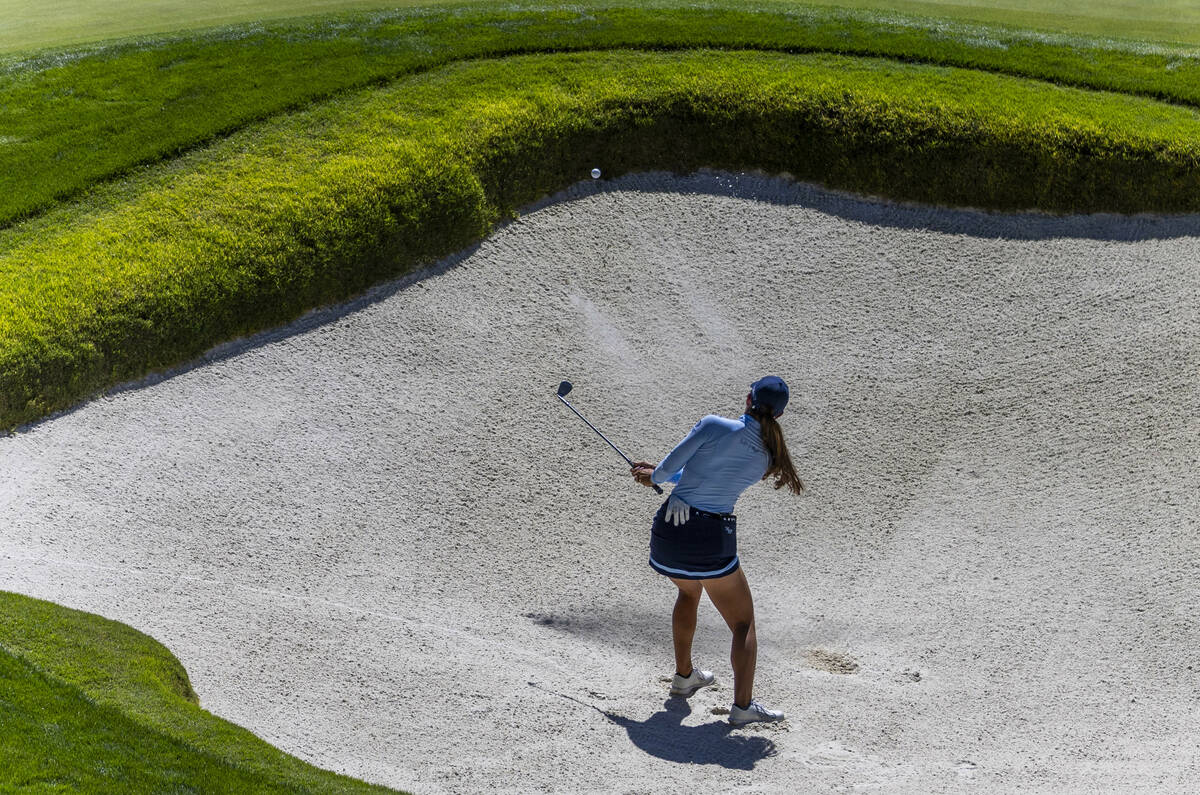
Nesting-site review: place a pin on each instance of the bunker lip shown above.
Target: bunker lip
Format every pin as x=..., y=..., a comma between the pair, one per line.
x=994, y=431
x=162, y=268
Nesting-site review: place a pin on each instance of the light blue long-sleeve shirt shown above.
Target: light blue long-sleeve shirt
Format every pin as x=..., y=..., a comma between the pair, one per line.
x=715, y=463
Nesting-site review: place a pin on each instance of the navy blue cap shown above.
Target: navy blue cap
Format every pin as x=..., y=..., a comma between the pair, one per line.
x=770, y=392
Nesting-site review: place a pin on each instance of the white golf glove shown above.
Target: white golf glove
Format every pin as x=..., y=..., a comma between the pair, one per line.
x=678, y=511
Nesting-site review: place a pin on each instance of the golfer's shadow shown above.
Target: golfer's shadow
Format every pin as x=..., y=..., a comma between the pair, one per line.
x=664, y=735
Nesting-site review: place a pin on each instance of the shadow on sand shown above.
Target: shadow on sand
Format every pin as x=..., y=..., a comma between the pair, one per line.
x=663, y=735
x=1011, y=225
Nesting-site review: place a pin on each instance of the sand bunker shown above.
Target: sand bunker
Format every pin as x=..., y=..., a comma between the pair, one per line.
x=377, y=540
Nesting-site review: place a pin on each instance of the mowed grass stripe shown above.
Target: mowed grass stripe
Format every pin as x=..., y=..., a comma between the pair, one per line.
x=92, y=705
x=68, y=121
x=314, y=207
x=34, y=25
x=1163, y=20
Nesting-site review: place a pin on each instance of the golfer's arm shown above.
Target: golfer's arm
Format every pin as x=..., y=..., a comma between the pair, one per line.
x=672, y=479
x=671, y=467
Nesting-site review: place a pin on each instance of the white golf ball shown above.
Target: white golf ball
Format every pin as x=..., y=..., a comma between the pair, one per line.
x=595, y=173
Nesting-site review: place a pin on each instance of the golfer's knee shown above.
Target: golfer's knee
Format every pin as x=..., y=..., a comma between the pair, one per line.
x=743, y=629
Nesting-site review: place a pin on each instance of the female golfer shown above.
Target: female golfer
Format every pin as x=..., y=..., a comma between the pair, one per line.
x=694, y=537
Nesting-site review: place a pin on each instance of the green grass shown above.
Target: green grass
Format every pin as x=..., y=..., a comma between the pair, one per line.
x=91, y=705
x=34, y=25
x=1154, y=20
x=66, y=123
x=162, y=194
x=314, y=206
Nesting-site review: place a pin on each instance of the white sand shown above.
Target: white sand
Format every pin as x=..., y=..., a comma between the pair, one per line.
x=378, y=541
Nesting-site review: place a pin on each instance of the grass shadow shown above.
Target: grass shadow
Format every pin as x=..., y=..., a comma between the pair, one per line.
x=890, y=213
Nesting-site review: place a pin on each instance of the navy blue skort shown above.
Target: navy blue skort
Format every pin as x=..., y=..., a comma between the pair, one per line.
x=702, y=548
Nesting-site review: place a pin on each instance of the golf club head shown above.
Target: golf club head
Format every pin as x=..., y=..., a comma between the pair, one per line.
x=564, y=388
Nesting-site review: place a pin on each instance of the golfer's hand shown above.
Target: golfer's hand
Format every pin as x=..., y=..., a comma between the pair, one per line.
x=678, y=511
x=641, y=471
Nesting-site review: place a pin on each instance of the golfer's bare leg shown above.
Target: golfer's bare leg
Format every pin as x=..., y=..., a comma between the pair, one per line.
x=731, y=596
x=683, y=623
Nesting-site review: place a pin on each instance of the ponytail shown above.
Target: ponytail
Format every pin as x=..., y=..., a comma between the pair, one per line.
x=780, y=467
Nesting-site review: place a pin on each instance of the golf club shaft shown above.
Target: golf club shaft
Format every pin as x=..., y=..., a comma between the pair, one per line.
x=605, y=438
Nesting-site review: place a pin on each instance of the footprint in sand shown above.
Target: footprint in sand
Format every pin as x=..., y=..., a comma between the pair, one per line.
x=834, y=756
x=831, y=661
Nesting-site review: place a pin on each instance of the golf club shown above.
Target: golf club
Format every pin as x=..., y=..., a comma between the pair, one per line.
x=563, y=389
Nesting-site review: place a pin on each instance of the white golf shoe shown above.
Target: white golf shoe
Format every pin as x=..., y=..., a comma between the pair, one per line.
x=755, y=713
x=686, y=685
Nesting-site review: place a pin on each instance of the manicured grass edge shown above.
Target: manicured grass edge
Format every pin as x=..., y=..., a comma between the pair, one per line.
x=174, y=94
x=316, y=207
x=125, y=675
